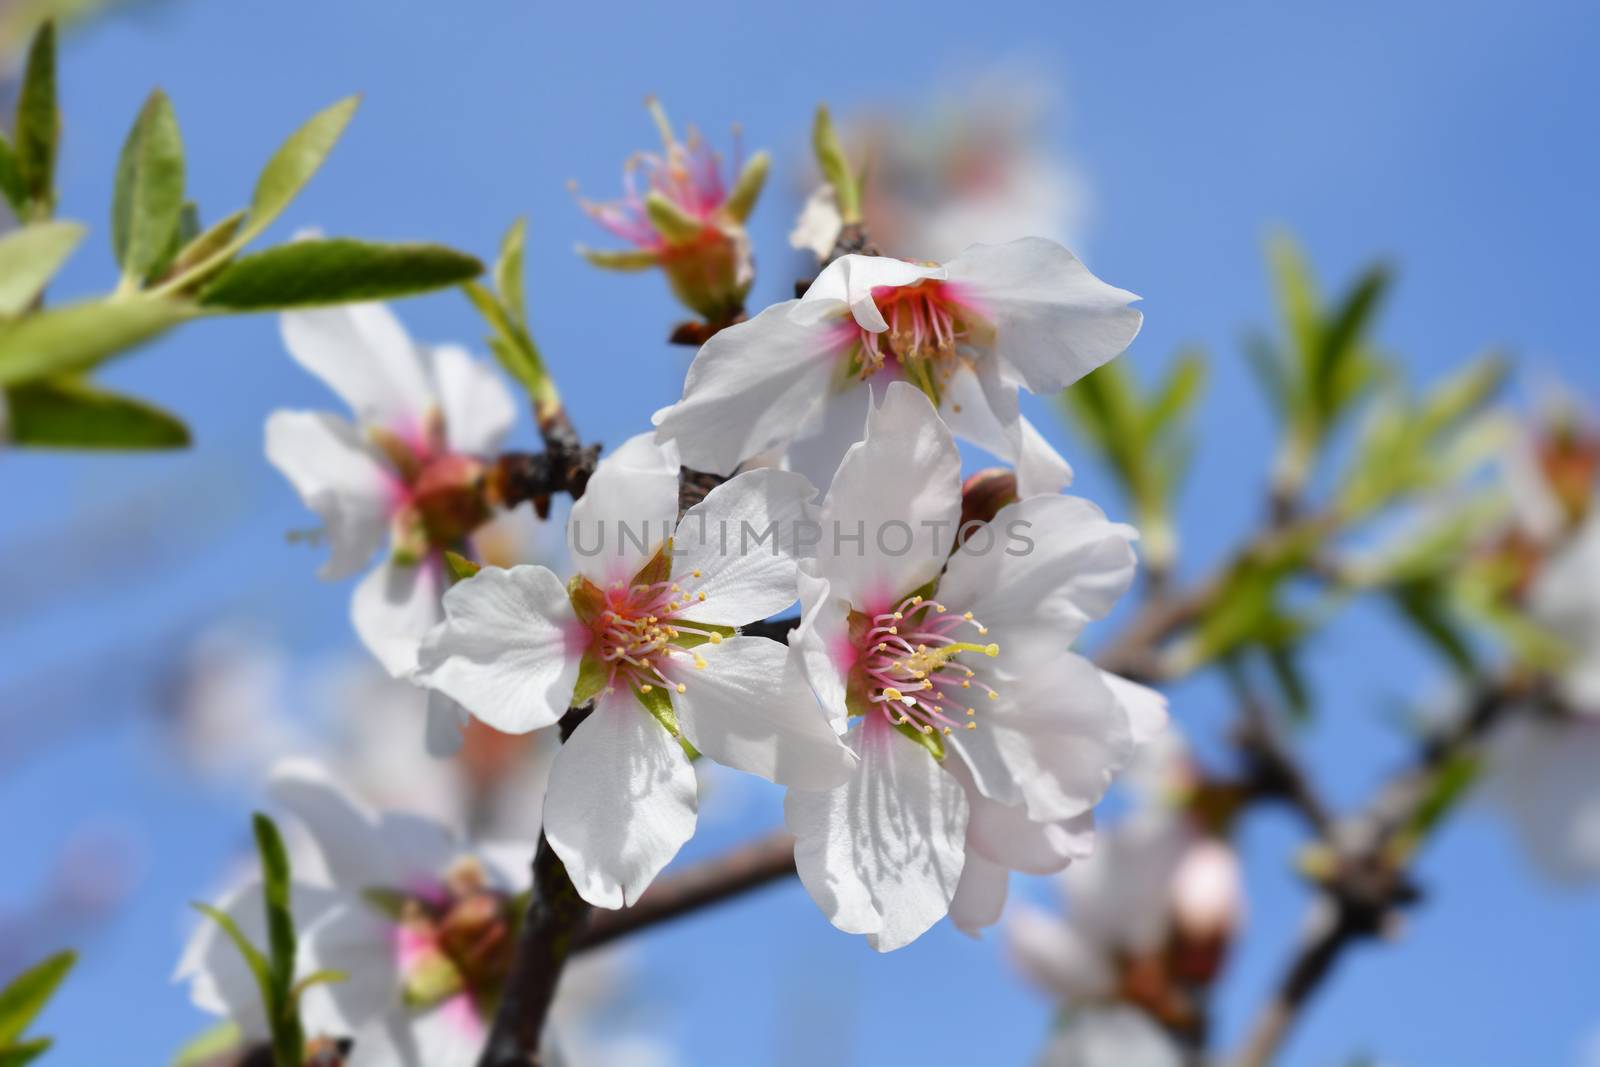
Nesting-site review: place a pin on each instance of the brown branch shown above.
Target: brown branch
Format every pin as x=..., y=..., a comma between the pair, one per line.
x=746, y=868
x=1367, y=882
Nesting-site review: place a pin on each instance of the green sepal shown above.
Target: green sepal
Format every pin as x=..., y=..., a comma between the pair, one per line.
x=588, y=599
x=658, y=568
x=675, y=225
x=694, y=640
x=430, y=979
x=747, y=187
x=390, y=903
x=459, y=567
x=209, y=1045
x=592, y=677
x=835, y=166
x=629, y=260
x=658, y=702
x=933, y=740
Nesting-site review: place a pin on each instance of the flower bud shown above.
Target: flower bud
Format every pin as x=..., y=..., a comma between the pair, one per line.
x=1206, y=900
x=986, y=492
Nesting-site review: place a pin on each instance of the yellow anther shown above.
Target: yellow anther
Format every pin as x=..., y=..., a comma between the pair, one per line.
x=982, y=630
x=947, y=731
x=646, y=687
x=967, y=615
x=916, y=600
x=993, y=695
x=716, y=639
x=972, y=711
x=972, y=726
x=701, y=597
x=898, y=616
x=695, y=572
x=965, y=684
x=892, y=693
x=680, y=687
x=699, y=664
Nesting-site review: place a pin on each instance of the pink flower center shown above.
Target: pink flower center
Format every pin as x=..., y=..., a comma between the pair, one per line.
x=908, y=668
x=642, y=640
x=928, y=323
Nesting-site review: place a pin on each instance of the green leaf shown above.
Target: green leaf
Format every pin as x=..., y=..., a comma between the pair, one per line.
x=29, y=258
x=1297, y=297
x=275, y=892
x=25, y=997
x=460, y=567
x=335, y=271
x=1336, y=371
x=295, y=161
x=208, y=1045
x=204, y=246
x=148, y=202
x=38, y=128
x=1186, y=377
x=326, y=976
x=25, y=1053
x=12, y=190
x=508, y=273
x=75, y=337
x=253, y=959
x=67, y=413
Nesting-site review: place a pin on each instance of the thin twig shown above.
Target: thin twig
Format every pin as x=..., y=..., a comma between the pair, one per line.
x=711, y=882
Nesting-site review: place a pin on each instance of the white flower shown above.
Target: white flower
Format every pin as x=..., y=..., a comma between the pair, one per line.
x=645, y=630
x=968, y=334
x=1111, y=1035
x=950, y=678
x=1544, y=779
x=1565, y=600
x=403, y=476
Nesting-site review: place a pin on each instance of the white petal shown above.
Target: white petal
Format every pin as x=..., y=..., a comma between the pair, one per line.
x=1145, y=708
x=751, y=709
x=820, y=447
x=744, y=574
x=1119, y=896
x=1058, y=957
x=1114, y=1035
x=848, y=282
x=817, y=228
x=1544, y=779
x=343, y=827
x=750, y=389
x=821, y=648
x=882, y=854
x=1041, y=470
x=1054, y=321
x=509, y=648
x=363, y=354
x=980, y=895
x=620, y=803
x=393, y=609
x=981, y=407
x=1052, y=742
x=900, y=490
x=1004, y=833
x=450, y=1034
x=478, y=408
x=338, y=475
x=1055, y=563
x=358, y=941
x=627, y=511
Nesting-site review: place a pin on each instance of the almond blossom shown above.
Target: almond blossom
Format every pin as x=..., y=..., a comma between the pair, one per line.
x=978, y=734
x=647, y=631
x=406, y=477
x=969, y=334
x=688, y=220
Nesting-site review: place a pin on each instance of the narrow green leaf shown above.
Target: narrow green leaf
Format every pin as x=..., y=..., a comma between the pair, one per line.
x=75, y=337
x=508, y=273
x=629, y=260
x=205, y=245
x=67, y=413
x=25, y=1053
x=148, y=202
x=1339, y=343
x=38, y=128
x=25, y=997
x=326, y=976
x=1297, y=298
x=1178, y=393
x=295, y=161
x=275, y=893
x=208, y=1045
x=29, y=258
x=12, y=190
x=335, y=271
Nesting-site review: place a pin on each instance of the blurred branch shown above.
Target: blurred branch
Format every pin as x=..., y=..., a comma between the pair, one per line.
x=1362, y=865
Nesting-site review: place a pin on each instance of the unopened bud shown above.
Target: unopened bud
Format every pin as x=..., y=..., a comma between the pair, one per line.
x=449, y=496
x=1207, y=904
x=476, y=935
x=986, y=492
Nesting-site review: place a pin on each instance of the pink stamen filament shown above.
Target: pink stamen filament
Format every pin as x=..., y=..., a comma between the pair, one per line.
x=639, y=632
x=906, y=658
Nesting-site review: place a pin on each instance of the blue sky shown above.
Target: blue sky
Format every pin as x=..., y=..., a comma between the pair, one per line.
x=1455, y=140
